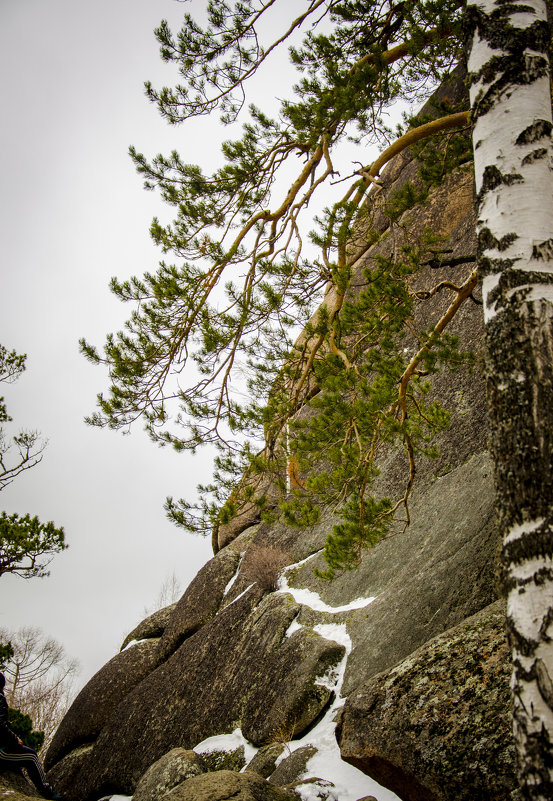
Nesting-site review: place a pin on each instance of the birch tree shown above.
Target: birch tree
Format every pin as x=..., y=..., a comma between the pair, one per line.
x=511, y=113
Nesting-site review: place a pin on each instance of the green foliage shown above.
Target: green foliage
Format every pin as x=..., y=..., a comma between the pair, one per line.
x=22, y=726
x=27, y=444
x=435, y=162
x=11, y=367
x=358, y=408
x=25, y=542
x=27, y=545
x=6, y=653
x=244, y=282
x=405, y=198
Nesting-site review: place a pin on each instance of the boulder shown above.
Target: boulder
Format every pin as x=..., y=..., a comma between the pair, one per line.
x=437, y=727
x=264, y=762
x=153, y=626
x=292, y=767
x=64, y=772
x=233, y=759
x=212, y=684
x=172, y=769
x=226, y=785
x=97, y=701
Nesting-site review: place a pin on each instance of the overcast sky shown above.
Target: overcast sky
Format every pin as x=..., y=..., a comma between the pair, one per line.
x=73, y=213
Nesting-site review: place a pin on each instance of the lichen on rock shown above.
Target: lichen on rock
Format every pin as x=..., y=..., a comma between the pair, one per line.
x=437, y=726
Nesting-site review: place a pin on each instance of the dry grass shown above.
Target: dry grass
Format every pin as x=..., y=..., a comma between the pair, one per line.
x=264, y=566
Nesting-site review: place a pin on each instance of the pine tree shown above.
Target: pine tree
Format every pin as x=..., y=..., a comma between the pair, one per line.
x=238, y=226
x=234, y=227
x=26, y=544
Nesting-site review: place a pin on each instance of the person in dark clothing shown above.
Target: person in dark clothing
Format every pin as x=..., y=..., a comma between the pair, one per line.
x=14, y=755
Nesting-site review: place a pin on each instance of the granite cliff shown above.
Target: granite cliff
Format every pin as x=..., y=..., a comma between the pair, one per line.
x=390, y=681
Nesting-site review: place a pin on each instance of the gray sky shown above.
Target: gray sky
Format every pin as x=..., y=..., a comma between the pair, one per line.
x=73, y=213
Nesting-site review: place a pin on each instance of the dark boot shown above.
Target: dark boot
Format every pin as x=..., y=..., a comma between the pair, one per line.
x=49, y=792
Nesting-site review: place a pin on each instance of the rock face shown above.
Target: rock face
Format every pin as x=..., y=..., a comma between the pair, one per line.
x=213, y=683
x=97, y=701
x=225, y=785
x=437, y=726
x=411, y=639
x=150, y=628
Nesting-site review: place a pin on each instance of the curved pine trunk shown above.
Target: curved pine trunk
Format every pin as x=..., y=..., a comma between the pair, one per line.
x=511, y=111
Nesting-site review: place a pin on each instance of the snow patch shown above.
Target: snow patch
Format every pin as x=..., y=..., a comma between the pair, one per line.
x=130, y=645
x=227, y=742
x=233, y=579
x=312, y=599
x=349, y=783
x=239, y=596
x=316, y=791
x=294, y=626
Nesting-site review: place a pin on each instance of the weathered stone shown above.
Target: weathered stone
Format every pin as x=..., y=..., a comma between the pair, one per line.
x=229, y=661
x=200, y=602
x=291, y=768
x=152, y=626
x=234, y=759
x=226, y=785
x=96, y=702
x=437, y=727
x=212, y=684
x=278, y=708
x=14, y=787
x=264, y=762
x=248, y=516
x=425, y=579
x=64, y=772
x=172, y=769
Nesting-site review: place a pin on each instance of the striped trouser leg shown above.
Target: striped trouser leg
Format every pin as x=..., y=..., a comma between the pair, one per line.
x=28, y=759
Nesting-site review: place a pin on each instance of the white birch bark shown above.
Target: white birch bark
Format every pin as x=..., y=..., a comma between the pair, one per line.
x=511, y=110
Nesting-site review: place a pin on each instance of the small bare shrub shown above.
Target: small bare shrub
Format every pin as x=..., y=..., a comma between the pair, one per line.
x=264, y=565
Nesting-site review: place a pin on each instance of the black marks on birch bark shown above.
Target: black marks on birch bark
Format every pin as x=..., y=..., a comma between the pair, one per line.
x=520, y=390
x=494, y=178
x=543, y=251
x=536, y=544
x=545, y=685
x=535, y=155
x=539, y=129
x=513, y=286
x=516, y=65
x=487, y=241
